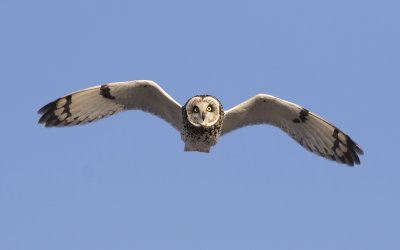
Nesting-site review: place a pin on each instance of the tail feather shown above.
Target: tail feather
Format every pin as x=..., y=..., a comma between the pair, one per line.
x=204, y=150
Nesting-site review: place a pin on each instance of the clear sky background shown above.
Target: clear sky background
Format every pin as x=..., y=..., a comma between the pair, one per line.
x=125, y=182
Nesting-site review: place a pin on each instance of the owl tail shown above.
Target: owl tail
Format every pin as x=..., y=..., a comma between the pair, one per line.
x=204, y=150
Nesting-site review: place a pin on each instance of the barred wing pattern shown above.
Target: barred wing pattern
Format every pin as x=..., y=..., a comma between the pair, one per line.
x=95, y=103
x=310, y=130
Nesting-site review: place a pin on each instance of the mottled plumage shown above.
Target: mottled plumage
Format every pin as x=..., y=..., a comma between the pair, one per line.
x=202, y=120
x=201, y=138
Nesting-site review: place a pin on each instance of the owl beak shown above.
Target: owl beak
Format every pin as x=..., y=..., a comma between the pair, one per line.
x=203, y=115
x=203, y=123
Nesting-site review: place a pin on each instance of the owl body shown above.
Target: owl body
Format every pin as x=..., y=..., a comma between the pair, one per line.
x=200, y=139
x=202, y=120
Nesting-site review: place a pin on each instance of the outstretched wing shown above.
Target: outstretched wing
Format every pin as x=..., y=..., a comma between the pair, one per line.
x=101, y=101
x=310, y=130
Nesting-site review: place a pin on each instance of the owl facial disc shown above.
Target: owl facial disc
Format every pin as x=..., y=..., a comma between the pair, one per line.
x=203, y=111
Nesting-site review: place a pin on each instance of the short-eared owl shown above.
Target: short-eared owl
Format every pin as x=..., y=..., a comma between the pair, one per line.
x=202, y=120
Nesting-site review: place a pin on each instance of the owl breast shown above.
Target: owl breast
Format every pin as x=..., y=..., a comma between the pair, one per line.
x=199, y=139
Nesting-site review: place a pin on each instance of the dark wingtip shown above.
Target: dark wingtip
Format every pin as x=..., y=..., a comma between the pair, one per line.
x=355, y=150
x=47, y=107
x=47, y=111
x=350, y=157
x=355, y=146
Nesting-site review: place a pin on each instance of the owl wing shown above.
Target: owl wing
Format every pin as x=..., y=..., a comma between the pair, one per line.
x=310, y=130
x=98, y=102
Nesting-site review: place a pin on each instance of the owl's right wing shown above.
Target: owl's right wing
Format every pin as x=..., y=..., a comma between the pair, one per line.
x=101, y=101
x=310, y=130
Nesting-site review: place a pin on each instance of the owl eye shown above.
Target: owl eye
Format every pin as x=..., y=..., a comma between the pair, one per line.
x=209, y=108
x=195, y=109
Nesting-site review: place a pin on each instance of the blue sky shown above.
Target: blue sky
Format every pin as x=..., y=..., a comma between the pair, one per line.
x=125, y=182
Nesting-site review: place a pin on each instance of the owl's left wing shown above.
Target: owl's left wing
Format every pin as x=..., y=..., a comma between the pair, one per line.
x=98, y=102
x=310, y=130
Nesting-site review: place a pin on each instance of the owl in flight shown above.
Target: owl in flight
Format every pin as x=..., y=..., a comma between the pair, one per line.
x=202, y=120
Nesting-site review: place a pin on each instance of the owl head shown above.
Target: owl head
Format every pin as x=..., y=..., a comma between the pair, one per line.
x=203, y=111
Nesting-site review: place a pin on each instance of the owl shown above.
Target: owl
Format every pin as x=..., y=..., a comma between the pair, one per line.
x=202, y=120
